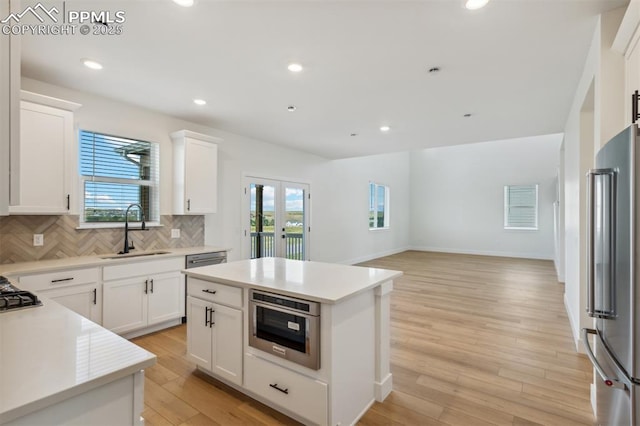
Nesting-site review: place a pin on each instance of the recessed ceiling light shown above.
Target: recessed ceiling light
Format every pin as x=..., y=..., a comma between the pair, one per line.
x=291, y=108
x=199, y=102
x=92, y=64
x=184, y=3
x=294, y=67
x=475, y=4
x=385, y=128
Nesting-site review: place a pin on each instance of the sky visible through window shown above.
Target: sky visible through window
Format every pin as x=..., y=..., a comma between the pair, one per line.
x=107, y=163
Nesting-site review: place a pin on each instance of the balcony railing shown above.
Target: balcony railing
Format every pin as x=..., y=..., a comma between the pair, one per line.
x=263, y=245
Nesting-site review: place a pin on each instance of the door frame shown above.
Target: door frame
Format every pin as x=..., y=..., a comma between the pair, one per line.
x=279, y=183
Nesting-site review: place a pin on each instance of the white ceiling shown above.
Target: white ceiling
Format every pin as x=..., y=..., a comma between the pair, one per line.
x=514, y=65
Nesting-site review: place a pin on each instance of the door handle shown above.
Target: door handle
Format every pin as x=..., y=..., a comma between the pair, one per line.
x=609, y=381
x=276, y=387
x=146, y=287
x=211, y=323
x=592, y=311
x=206, y=316
x=151, y=285
x=95, y=296
x=189, y=204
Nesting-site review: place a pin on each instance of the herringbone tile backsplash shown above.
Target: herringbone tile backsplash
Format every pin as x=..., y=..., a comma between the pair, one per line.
x=62, y=239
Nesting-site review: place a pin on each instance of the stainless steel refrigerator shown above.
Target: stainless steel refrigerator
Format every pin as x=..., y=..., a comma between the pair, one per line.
x=613, y=278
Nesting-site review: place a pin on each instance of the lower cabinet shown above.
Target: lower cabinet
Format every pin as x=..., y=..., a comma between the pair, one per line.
x=214, y=338
x=293, y=391
x=135, y=303
x=85, y=300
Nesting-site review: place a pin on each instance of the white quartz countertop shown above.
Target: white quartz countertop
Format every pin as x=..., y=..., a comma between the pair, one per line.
x=50, y=353
x=99, y=260
x=315, y=281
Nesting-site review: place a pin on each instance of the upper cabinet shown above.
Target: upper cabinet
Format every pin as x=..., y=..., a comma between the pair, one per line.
x=46, y=150
x=195, y=173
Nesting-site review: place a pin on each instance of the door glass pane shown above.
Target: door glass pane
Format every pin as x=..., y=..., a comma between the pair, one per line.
x=294, y=223
x=263, y=216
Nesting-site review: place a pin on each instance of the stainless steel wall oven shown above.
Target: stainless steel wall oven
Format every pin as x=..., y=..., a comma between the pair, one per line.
x=286, y=327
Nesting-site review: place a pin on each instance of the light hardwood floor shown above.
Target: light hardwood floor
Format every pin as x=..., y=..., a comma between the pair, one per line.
x=475, y=341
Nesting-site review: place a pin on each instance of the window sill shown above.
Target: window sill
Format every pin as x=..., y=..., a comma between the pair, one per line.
x=386, y=228
x=118, y=225
x=508, y=228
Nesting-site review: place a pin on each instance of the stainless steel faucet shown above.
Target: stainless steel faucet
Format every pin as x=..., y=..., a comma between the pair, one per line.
x=128, y=247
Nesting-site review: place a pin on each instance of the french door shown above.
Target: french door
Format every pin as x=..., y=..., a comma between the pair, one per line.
x=276, y=219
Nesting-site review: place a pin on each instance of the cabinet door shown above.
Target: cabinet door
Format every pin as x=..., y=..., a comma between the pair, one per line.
x=85, y=300
x=227, y=343
x=45, y=133
x=166, y=297
x=199, y=332
x=201, y=171
x=124, y=305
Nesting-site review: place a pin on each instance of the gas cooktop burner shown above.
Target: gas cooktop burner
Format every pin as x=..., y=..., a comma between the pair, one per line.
x=12, y=297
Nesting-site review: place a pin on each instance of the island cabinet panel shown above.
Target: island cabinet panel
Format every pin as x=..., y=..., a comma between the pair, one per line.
x=214, y=292
x=302, y=395
x=199, y=335
x=214, y=336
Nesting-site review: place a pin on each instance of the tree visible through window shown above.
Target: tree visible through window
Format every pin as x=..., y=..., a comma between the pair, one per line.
x=378, y=206
x=521, y=207
x=117, y=172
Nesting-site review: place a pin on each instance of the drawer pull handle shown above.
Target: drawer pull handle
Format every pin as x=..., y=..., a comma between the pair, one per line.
x=206, y=290
x=275, y=386
x=61, y=280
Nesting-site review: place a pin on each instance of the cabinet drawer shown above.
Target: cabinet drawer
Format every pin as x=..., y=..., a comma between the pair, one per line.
x=214, y=292
x=143, y=268
x=299, y=394
x=57, y=279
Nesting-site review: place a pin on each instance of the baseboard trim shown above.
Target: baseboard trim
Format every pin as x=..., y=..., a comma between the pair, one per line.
x=575, y=331
x=538, y=256
x=383, y=388
x=374, y=256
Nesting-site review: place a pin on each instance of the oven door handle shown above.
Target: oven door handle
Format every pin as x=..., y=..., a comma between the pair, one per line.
x=253, y=303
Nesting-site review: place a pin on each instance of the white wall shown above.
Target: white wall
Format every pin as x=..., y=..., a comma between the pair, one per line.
x=457, y=196
x=339, y=206
x=596, y=114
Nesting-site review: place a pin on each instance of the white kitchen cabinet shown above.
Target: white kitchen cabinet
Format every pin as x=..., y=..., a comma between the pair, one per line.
x=302, y=395
x=214, y=334
x=85, y=299
x=77, y=289
x=46, y=148
x=143, y=294
x=135, y=303
x=195, y=173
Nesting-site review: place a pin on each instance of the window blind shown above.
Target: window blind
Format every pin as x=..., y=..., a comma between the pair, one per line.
x=116, y=173
x=521, y=207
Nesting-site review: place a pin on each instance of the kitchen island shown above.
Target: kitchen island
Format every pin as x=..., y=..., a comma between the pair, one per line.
x=353, y=343
x=57, y=367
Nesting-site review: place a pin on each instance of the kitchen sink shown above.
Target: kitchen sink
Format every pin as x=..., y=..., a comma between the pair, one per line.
x=128, y=255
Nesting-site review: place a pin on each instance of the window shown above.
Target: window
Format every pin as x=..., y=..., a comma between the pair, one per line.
x=378, y=206
x=521, y=207
x=117, y=172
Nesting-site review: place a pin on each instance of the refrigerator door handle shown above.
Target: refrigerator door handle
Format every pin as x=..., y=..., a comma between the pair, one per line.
x=606, y=313
x=609, y=381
